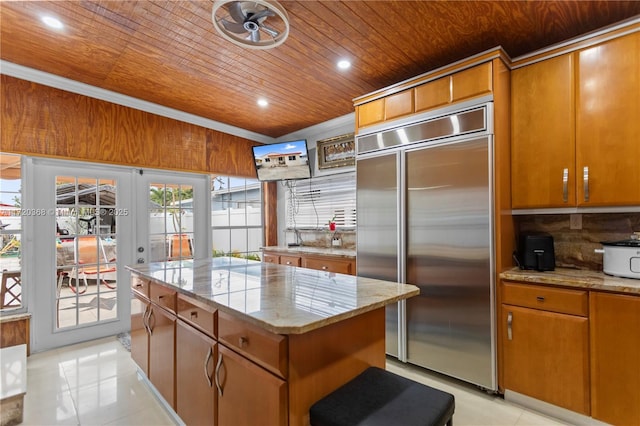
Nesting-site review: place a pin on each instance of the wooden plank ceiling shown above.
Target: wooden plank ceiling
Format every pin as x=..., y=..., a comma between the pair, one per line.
x=168, y=52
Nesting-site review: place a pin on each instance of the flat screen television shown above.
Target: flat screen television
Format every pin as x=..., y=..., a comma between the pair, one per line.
x=282, y=161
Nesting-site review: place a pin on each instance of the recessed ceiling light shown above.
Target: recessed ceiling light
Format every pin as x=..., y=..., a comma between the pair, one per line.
x=52, y=22
x=344, y=64
x=263, y=102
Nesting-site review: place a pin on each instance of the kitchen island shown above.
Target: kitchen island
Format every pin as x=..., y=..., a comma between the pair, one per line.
x=231, y=341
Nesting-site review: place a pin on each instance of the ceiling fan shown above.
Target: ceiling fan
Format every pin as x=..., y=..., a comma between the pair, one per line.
x=255, y=24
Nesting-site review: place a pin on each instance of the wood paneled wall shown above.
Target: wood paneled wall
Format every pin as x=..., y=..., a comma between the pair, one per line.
x=43, y=121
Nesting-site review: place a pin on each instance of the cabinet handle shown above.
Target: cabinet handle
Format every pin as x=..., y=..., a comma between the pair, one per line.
x=217, y=377
x=540, y=298
x=194, y=314
x=288, y=262
x=149, y=320
x=206, y=364
x=565, y=185
x=145, y=319
x=585, y=179
x=509, y=326
x=324, y=268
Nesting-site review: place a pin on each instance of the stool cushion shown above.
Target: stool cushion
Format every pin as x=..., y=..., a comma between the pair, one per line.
x=379, y=397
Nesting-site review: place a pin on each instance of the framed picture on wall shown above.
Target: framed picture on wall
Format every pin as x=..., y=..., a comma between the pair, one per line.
x=339, y=151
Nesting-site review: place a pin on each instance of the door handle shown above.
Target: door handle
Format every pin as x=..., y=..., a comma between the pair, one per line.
x=565, y=185
x=510, y=326
x=206, y=364
x=149, y=320
x=217, y=376
x=585, y=181
x=145, y=319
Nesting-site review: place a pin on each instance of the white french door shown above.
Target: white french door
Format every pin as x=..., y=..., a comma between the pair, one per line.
x=174, y=213
x=89, y=221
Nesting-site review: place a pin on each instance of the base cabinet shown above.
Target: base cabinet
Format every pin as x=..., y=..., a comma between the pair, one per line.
x=335, y=264
x=162, y=327
x=242, y=383
x=615, y=358
x=196, y=355
x=546, y=356
x=139, y=333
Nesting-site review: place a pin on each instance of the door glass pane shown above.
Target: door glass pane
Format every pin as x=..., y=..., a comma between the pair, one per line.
x=11, y=231
x=171, y=235
x=85, y=240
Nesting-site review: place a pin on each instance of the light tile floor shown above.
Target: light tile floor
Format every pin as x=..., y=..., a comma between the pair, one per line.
x=96, y=383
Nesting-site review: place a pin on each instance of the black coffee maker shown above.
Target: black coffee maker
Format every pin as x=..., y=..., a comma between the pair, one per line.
x=535, y=251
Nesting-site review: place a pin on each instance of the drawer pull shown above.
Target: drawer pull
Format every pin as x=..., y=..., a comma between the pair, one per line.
x=194, y=314
x=509, y=326
x=540, y=298
x=161, y=296
x=324, y=268
x=243, y=341
x=217, y=377
x=288, y=262
x=206, y=364
x=139, y=285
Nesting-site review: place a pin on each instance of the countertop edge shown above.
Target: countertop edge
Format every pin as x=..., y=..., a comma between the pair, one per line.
x=589, y=280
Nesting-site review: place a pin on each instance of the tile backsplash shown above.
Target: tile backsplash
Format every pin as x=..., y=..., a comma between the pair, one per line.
x=574, y=248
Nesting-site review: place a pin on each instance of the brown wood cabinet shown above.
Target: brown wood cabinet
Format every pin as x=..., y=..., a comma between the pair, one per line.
x=328, y=263
x=615, y=358
x=153, y=331
x=575, y=128
x=196, y=355
x=546, y=353
x=248, y=394
x=458, y=86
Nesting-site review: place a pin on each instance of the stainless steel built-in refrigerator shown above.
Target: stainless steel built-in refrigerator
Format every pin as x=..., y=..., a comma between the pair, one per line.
x=425, y=214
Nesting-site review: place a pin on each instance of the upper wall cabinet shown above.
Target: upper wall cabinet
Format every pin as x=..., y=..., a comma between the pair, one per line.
x=575, y=128
x=460, y=86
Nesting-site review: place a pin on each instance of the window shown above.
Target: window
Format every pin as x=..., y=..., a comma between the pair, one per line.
x=236, y=217
x=11, y=231
x=312, y=203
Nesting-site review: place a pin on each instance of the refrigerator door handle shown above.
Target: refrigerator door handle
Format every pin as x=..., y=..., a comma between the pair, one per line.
x=510, y=326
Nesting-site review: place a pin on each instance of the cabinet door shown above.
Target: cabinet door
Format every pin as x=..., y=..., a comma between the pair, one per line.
x=162, y=350
x=196, y=355
x=546, y=356
x=615, y=358
x=398, y=104
x=249, y=394
x=608, y=124
x=433, y=94
x=371, y=112
x=139, y=336
x=471, y=83
x=543, y=135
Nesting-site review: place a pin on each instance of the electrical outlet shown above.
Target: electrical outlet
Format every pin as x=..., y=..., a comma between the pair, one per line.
x=575, y=221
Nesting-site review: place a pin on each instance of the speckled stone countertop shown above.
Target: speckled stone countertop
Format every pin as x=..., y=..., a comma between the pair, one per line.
x=320, y=251
x=591, y=280
x=281, y=299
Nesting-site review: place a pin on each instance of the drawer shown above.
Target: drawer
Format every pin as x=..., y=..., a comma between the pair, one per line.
x=198, y=314
x=264, y=348
x=271, y=258
x=572, y=302
x=291, y=260
x=163, y=297
x=140, y=285
x=338, y=266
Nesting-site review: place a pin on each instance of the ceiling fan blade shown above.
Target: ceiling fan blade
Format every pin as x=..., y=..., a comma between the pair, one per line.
x=262, y=14
x=255, y=36
x=235, y=10
x=234, y=27
x=273, y=33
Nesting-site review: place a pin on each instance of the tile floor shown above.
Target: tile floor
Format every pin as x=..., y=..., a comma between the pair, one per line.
x=95, y=383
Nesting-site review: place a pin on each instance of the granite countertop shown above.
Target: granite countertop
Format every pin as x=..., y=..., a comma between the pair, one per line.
x=320, y=251
x=281, y=299
x=591, y=280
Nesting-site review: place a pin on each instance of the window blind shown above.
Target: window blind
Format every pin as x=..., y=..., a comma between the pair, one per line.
x=312, y=203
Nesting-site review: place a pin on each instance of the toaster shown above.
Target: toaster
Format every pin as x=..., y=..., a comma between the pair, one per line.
x=535, y=251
